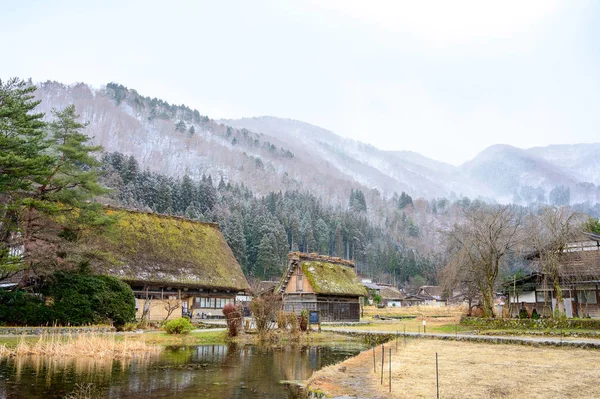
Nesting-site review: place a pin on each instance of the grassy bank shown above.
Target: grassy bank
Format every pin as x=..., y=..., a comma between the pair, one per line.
x=466, y=370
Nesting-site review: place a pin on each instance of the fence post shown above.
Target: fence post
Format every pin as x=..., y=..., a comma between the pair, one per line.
x=390, y=369
x=437, y=378
x=374, y=364
x=382, y=362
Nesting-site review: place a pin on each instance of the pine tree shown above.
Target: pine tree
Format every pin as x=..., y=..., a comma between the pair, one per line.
x=63, y=195
x=24, y=163
x=266, y=260
x=164, y=197
x=234, y=234
x=130, y=170
x=180, y=126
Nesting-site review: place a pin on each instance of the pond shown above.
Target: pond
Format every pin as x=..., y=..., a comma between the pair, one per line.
x=203, y=371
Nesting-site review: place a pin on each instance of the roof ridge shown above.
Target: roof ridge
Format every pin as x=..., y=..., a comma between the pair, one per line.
x=161, y=215
x=315, y=256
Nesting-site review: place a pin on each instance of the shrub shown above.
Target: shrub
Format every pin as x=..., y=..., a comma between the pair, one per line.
x=130, y=327
x=19, y=308
x=292, y=320
x=263, y=310
x=233, y=315
x=179, y=326
x=304, y=320
x=535, y=315
x=281, y=320
x=523, y=314
x=79, y=299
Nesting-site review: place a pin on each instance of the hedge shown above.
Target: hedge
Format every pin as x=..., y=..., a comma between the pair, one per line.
x=520, y=324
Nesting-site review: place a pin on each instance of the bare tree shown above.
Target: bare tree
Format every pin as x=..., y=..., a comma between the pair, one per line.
x=146, y=309
x=549, y=235
x=480, y=243
x=456, y=276
x=264, y=309
x=170, y=306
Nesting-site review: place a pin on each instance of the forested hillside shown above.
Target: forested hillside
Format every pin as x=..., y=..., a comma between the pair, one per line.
x=271, y=154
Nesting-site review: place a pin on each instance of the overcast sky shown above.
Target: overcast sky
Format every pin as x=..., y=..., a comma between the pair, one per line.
x=445, y=79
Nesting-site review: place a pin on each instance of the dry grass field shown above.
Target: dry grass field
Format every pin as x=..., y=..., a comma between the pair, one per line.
x=466, y=370
x=439, y=320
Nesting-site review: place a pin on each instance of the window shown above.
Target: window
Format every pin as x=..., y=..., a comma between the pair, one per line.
x=299, y=283
x=541, y=295
x=587, y=297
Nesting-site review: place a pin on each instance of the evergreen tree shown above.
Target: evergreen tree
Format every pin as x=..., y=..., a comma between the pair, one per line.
x=164, y=197
x=180, y=126
x=63, y=195
x=130, y=170
x=404, y=200
x=187, y=191
x=266, y=260
x=234, y=234
x=24, y=163
x=322, y=237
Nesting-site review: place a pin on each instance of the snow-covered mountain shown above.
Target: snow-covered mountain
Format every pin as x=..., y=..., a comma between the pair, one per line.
x=272, y=154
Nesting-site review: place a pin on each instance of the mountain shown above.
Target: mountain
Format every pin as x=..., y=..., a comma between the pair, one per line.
x=504, y=169
x=273, y=154
x=581, y=160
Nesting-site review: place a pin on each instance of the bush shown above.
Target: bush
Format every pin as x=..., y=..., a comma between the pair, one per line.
x=18, y=308
x=79, y=299
x=233, y=315
x=535, y=315
x=264, y=309
x=292, y=320
x=523, y=314
x=179, y=326
x=281, y=320
x=542, y=323
x=304, y=320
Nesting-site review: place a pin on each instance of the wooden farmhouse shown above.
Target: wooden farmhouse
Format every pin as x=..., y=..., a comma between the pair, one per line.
x=390, y=295
x=174, y=265
x=428, y=295
x=579, y=278
x=328, y=285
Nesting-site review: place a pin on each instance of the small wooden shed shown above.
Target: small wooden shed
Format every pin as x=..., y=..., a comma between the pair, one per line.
x=326, y=284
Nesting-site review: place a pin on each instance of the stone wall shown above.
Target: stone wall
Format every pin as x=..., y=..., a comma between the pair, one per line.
x=54, y=330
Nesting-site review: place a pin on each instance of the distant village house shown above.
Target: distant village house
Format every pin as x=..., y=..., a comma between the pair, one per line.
x=322, y=283
x=579, y=277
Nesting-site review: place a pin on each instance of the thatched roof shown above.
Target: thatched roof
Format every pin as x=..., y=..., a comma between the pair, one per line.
x=390, y=293
x=328, y=275
x=158, y=249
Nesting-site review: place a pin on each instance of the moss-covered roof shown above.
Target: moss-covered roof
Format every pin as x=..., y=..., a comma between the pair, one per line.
x=331, y=278
x=150, y=248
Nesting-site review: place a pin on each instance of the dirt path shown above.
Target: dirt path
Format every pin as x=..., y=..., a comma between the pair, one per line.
x=503, y=339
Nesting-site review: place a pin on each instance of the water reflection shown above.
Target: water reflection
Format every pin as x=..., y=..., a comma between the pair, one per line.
x=206, y=371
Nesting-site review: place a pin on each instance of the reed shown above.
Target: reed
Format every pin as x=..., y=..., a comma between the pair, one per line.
x=80, y=345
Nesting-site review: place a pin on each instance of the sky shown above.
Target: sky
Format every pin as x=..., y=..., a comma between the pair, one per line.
x=442, y=78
